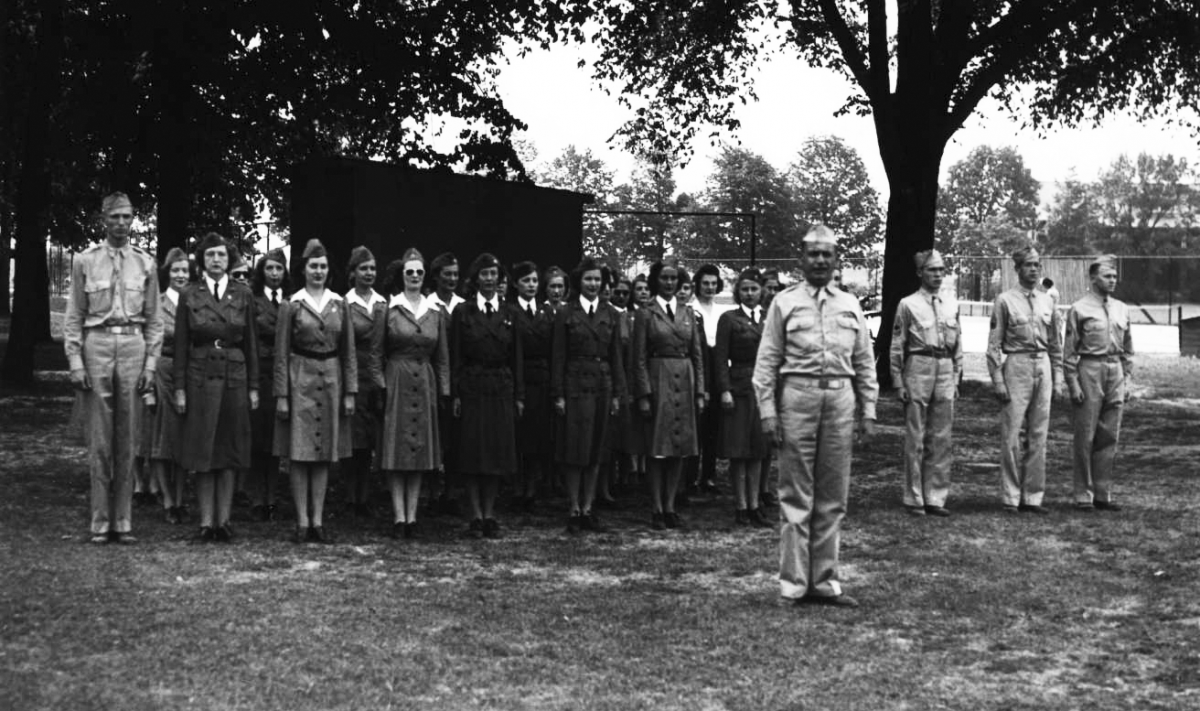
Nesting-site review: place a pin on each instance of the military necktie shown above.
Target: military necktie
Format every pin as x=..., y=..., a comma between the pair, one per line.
x=937, y=320
x=488, y=305
x=275, y=296
x=670, y=313
x=529, y=308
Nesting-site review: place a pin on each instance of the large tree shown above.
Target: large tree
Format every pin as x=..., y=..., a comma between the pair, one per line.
x=831, y=186
x=989, y=200
x=920, y=69
x=583, y=172
x=742, y=181
x=1147, y=205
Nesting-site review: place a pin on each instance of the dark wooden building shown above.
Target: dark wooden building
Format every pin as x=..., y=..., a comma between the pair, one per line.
x=346, y=202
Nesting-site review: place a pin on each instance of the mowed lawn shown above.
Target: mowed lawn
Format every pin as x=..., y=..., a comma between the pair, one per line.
x=978, y=611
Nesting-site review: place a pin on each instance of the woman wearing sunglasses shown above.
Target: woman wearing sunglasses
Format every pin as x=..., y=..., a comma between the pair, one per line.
x=416, y=367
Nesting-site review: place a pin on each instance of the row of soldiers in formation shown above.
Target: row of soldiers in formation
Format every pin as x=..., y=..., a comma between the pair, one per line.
x=418, y=380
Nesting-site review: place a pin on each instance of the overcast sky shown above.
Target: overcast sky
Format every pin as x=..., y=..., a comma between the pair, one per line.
x=563, y=106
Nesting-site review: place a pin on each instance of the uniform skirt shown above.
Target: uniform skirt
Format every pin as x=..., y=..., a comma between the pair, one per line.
x=163, y=425
x=411, y=440
x=535, y=429
x=487, y=434
x=739, y=431
x=315, y=430
x=216, y=426
x=583, y=432
x=671, y=430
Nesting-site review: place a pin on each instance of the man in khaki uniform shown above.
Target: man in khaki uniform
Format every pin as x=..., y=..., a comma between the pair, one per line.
x=1024, y=358
x=815, y=365
x=112, y=334
x=1098, y=360
x=925, y=361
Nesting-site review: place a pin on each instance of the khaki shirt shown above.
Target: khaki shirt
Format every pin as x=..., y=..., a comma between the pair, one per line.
x=112, y=287
x=1023, y=322
x=925, y=321
x=1097, y=327
x=817, y=333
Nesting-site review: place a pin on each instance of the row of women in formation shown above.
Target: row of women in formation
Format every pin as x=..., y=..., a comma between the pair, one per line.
x=418, y=378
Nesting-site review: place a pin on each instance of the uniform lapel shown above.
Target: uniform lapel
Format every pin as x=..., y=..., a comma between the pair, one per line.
x=211, y=300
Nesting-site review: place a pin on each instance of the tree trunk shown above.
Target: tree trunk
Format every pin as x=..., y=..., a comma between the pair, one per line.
x=31, y=302
x=6, y=231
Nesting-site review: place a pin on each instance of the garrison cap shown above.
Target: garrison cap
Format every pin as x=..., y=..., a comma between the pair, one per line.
x=1025, y=254
x=928, y=258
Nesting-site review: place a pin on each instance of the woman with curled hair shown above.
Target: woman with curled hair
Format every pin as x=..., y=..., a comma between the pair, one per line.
x=739, y=432
x=416, y=366
x=367, y=311
x=216, y=383
x=668, y=386
x=487, y=382
x=316, y=378
x=271, y=285
x=162, y=428
x=587, y=383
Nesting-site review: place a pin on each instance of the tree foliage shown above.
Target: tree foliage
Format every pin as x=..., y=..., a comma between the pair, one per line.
x=988, y=203
x=830, y=182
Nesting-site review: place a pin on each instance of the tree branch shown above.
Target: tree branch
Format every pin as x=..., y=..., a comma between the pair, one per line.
x=851, y=50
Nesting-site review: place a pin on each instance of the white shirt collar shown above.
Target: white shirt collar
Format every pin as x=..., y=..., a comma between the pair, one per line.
x=666, y=304
x=220, y=284
x=352, y=297
x=754, y=313
x=482, y=302
x=422, y=307
x=436, y=301
x=270, y=293
x=588, y=304
x=326, y=297
x=172, y=295
x=527, y=304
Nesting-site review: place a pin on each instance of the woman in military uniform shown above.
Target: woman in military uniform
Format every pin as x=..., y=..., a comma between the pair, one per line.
x=367, y=315
x=416, y=366
x=587, y=383
x=316, y=377
x=739, y=432
x=162, y=424
x=487, y=379
x=271, y=286
x=216, y=383
x=535, y=431
x=668, y=366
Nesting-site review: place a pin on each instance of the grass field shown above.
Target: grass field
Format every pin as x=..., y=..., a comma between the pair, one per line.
x=978, y=611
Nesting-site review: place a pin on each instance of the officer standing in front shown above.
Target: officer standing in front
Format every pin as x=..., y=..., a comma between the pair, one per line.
x=112, y=335
x=1098, y=360
x=1024, y=358
x=814, y=367
x=926, y=360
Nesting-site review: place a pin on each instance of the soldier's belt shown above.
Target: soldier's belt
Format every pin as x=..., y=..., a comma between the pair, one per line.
x=932, y=352
x=129, y=329
x=668, y=356
x=1026, y=354
x=219, y=344
x=314, y=355
x=824, y=382
x=1107, y=357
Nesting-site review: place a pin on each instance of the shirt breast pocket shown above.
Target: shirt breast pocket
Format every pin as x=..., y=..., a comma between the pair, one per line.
x=847, y=331
x=950, y=328
x=135, y=296
x=99, y=297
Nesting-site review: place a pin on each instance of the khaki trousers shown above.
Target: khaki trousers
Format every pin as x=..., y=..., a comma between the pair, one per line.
x=929, y=419
x=814, y=482
x=112, y=423
x=1097, y=423
x=1030, y=387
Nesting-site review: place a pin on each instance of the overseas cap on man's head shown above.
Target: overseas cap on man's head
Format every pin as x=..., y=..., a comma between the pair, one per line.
x=928, y=258
x=1104, y=261
x=820, y=234
x=359, y=255
x=115, y=201
x=313, y=250
x=1025, y=254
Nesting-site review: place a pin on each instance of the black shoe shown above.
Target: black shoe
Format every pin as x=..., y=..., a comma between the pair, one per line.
x=574, y=524
x=410, y=530
x=592, y=523
x=475, y=529
x=317, y=534
x=398, y=529
x=741, y=517
x=491, y=528
x=915, y=510
x=223, y=534
x=172, y=515
x=672, y=520
x=937, y=511
x=1034, y=509
x=206, y=534
x=842, y=600
x=124, y=538
x=300, y=535
x=1106, y=506
x=758, y=520
x=657, y=522
x=1010, y=509
x=767, y=498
